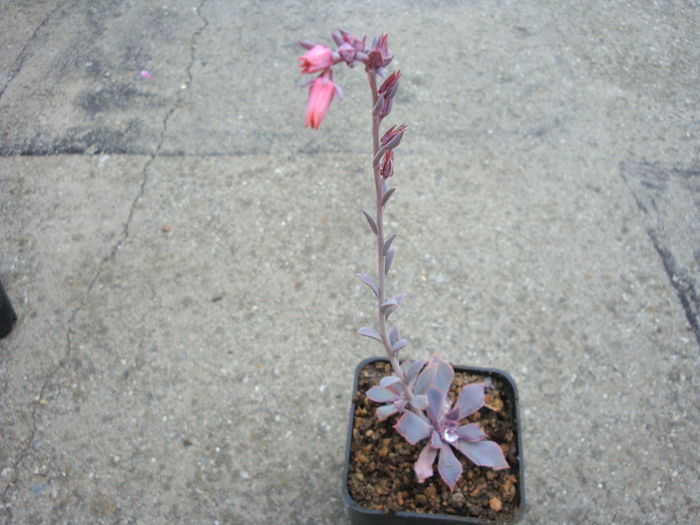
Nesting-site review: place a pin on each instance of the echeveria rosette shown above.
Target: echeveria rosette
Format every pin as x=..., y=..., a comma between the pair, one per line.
x=442, y=426
x=390, y=391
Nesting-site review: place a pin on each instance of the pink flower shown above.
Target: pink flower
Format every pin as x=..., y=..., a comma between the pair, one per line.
x=321, y=94
x=316, y=59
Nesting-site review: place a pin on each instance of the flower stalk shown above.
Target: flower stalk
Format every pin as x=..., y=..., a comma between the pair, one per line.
x=417, y=390
x=379, y=186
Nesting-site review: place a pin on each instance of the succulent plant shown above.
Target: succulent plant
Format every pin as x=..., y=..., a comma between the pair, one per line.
x=418, y=391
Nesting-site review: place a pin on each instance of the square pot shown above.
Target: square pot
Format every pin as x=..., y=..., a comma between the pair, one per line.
x=478, y=494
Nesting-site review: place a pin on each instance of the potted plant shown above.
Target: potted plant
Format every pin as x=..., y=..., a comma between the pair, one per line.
x=427, y=442
x=7, y=314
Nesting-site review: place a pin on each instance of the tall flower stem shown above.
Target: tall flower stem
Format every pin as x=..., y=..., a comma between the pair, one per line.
x=381, y=271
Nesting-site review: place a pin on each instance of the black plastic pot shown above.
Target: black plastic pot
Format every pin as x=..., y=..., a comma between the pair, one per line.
x=362, y=516
x=7, y=314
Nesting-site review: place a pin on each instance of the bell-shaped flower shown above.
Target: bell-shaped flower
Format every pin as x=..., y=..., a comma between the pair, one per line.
x=321, y=92
x=318, y=58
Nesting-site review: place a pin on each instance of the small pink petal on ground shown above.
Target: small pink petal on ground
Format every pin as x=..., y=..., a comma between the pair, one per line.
x=145, y=73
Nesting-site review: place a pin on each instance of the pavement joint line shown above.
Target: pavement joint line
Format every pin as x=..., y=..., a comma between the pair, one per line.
x=19, y=61
x=7, y=508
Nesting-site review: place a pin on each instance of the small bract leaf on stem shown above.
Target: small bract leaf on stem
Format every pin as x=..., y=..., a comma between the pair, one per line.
x=387, y=195
x=369, y=281
x=370, y=332
x=371, y=221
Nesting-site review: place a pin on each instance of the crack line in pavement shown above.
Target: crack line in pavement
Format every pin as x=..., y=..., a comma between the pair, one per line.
x=19, y=61
x=685, y=290
x=105, y=260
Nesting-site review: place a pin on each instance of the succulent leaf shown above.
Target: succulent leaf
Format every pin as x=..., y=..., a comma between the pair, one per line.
x=388, y=306
x=386, y=411
x=470, y=399
x=387, y=243
x=398, y=345
x=436, y=404
x=420, y=402
x=394, y=334
x=471, y=432
x=370, y=332
x=483, y=453
x=387, y=381
x=371, y=221
x=387, y=195
x=443, y=375
x=414, y=369
x=389, y=259
x=380, y=395
x=369, y=281
x=435, y=440
x=449, y=466
x=424, y=466
x=413, y=428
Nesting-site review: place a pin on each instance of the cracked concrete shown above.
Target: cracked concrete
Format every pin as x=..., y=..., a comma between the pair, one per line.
x=181, y=252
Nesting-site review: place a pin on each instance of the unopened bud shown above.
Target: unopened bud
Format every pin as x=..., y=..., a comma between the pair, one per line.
x=387, y=169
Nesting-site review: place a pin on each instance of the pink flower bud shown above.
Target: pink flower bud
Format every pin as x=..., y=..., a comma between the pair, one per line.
x=391, y=85
x=386, y=93
x=393, y=136
x=350, y=48
x=387, y=169
x=321, y=92
x=379, y=56
x=316, y=59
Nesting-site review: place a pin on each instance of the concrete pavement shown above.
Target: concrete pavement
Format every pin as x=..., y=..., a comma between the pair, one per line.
x=182, y=253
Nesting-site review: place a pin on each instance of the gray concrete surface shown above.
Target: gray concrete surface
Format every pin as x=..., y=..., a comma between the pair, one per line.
x=548, y=212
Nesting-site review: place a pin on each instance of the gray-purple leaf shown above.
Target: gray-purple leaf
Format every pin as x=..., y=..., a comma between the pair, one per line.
x=387, y=243
x=415, y=367
x=435, y=440
x=470, y=399
x=471, y=432
x=385, y=411
x=393, y=334
x=437, y=400
x=371, y=221
x=398, y=345
x=483, y=454
x=369, y=281
x=449, y=467
x=387, y=195
x=387, y=381
x=437, y=373
x=389, y=306
x=424, y=466
x=444, y=374
x=370, y=332
x=420, y=402
x=380, y=395
x=389, y=259
x=413, y=428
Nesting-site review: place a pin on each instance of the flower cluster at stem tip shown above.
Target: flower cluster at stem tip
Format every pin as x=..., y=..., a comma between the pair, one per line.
x=320, y=59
